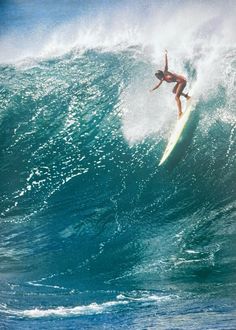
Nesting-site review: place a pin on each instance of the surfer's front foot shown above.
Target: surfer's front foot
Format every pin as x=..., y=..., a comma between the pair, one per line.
x=180, y=115
x=188, y=97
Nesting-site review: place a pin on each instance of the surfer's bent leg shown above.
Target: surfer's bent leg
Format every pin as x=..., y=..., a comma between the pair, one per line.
x=179, y=90
x=175, y=88
x=182, y=94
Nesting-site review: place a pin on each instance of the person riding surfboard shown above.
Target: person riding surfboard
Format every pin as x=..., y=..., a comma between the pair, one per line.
x=170, y=77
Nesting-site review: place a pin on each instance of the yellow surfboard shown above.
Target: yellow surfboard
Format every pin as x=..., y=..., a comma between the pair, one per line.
x=177, y=132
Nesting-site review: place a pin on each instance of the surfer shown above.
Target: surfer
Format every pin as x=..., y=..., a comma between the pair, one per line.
x=170, y=77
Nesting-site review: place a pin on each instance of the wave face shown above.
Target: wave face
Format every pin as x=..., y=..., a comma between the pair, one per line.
x=93, y=233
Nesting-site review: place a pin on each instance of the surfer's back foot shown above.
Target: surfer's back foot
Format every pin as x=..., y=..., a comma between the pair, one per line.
x=187, y=96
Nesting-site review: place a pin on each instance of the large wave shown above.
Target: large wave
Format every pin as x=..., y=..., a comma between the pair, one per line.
x=86, y=213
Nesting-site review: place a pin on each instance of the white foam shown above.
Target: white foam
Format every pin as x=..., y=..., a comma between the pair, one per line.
x=186, y=28
x=61, y=311
x=93, y=308
x=146, y=297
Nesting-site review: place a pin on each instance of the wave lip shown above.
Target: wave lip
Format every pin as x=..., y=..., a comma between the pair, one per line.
x=121, y=27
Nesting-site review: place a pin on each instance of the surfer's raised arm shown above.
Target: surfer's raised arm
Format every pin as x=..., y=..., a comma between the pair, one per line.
x=159, y=84
x=166, y=61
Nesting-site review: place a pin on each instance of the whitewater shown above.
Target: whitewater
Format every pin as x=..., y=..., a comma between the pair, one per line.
x=94, y=235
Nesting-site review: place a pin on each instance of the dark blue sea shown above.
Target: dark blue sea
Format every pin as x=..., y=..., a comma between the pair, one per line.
x=93, y=233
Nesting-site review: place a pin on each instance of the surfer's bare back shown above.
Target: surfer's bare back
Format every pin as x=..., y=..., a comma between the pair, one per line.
x=170, y=77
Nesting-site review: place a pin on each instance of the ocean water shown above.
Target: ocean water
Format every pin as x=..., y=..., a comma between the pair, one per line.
x=94, y=235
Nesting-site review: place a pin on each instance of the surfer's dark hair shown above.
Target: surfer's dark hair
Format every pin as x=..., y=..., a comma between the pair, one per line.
x=159, y=74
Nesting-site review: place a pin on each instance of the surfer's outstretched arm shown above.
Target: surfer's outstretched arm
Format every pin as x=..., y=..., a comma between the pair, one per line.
x=166, y=62
x=159, y=84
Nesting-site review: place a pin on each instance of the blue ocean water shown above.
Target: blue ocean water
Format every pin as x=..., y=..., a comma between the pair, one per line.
x=94, y=235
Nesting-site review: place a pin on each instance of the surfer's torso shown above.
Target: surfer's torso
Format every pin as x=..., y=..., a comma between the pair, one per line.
x=170, y=77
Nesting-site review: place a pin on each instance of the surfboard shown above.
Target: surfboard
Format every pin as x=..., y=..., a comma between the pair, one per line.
x=178, y=131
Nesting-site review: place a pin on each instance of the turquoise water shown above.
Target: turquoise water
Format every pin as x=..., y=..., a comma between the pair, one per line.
x=94, y=235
